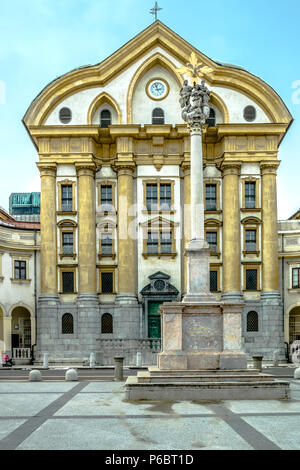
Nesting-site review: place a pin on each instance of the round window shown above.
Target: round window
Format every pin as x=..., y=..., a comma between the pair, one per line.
x=65, y=115
x=159, y=284
x=249, y=113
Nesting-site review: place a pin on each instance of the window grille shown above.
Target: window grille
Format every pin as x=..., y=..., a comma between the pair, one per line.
x=158, y=116
x=67, y=324
x=211, y=197
x=68, y=282
x=106, y=323
x=65, y=115
x=250, y=113
x=105, y=118
x=213, y=281
x=251, y=279
x=107, y=284
x=20, y=269
x=252, y=321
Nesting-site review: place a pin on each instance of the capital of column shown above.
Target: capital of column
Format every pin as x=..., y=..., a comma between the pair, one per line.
x=125, y=168
x=186, y=168
x=196, y=127
x=85, y=169
x=231, y=168
x=269, y=168
x=47, y=169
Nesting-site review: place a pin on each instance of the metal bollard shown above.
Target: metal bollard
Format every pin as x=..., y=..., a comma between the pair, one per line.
x=257, y=362
x=119, y=368
x=92, y=360
x=45, y=361
x=138, y=359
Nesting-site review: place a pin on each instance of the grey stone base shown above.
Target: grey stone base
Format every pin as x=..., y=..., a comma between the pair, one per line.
x=204, y=385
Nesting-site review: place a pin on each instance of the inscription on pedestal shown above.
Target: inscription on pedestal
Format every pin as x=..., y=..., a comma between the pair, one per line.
x=202, y=333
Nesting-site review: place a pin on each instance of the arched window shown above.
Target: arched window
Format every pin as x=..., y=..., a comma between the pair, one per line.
x=105, y=118
x=252, y=321
x=158, y=116
x=67, y=324
x=211, y=120
x=107, y=323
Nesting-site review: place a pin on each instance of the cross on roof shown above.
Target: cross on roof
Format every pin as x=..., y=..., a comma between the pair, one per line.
x=154, y=10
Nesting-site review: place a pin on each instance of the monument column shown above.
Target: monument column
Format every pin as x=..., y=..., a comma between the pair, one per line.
x=269, y=231
x=48, y=231
x=86, y=232
x=126, y=235
x=187, y=217
x=231, y=233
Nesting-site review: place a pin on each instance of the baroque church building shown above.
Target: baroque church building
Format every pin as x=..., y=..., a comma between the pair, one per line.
x=114, y=161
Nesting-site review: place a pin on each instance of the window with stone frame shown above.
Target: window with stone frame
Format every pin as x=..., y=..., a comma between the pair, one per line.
x=296, y=278
x=212, y=240
x=250, y=195
x=106, y=243
x=105, y=118
x=159, y=196
x=106, y=198
x=20, y=269
x=251, y=279
x=67, y=243
x=211, y=197
x=67, y=282
x=250, y=240
x=66, y=198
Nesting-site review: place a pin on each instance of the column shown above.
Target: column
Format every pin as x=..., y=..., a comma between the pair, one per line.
x=87, y=279
x=7, y=333
x=231, y=252
x=187, y=216
x=126, y=235
x=48, y=230
x=197, y=203
x=269, y=229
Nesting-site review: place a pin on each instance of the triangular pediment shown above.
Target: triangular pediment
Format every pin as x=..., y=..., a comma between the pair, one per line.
x=159, y=275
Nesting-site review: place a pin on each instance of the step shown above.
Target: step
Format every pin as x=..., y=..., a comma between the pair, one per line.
x=146, y=377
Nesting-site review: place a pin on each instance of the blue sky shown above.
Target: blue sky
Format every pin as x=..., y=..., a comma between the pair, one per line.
x=42, y=39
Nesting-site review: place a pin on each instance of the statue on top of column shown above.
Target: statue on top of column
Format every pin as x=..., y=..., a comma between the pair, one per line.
x=194, y=101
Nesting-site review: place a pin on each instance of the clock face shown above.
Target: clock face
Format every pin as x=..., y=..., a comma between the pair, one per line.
x=157, y=89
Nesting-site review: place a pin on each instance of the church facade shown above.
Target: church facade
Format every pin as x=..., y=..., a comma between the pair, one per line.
x=114, y=161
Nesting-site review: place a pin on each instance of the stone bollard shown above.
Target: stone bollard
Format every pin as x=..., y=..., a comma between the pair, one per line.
x=35, y=376
x=92, y=360
x=138, y=359
x=71, y=375
x=297, y=374
x=275, y=358
x=45, y=361
x=257, y=362
x=119, y=368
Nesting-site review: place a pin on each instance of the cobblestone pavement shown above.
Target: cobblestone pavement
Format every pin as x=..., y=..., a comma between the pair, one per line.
x=94, y=415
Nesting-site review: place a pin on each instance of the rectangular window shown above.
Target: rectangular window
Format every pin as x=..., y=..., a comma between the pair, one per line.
x=250, y=240
x=106, y=244
x=106, y=198
x=107, y=283
x=166, y=242
x=151, y=197
x=152, y=243
x=251, y=279
x=211, y=197
x=67, y=242
x=296, y=278
x=214, y=281
x=250, y=195
x=165, y=197
x=212, y=240
x=67, y=198
x=68, y=282
x=20, y=269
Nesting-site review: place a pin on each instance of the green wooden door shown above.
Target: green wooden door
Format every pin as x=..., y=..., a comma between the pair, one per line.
x=154, y=330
